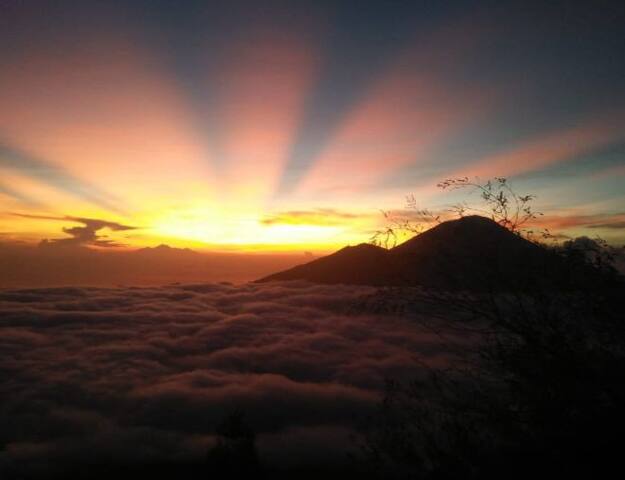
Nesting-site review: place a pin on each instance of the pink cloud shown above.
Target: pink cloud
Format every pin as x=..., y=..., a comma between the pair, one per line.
x=539, y=153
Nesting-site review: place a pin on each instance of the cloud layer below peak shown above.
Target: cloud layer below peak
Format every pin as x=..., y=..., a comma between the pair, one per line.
x=144, y=374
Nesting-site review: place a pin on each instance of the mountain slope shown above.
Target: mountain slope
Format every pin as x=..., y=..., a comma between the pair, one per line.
x=472, y=252
x=363, y=264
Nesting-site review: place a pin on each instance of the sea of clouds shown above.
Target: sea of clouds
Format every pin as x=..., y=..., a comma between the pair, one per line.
x=145, y=374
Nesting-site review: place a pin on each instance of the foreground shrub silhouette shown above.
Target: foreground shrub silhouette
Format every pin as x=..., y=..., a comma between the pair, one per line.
x=542, y=392
x=235, y=451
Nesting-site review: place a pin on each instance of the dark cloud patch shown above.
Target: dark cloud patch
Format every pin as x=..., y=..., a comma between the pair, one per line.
x=145, y=374
x=85, y=235
x=617, y=225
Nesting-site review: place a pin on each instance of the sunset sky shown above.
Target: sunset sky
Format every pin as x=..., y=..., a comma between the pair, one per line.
x=287, y=126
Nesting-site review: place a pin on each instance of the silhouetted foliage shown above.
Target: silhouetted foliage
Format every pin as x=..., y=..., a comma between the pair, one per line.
x=540, y=393
x=398, y=226
x=235, y=451
x=498, y=201
x=591, y=252
x=543, y=389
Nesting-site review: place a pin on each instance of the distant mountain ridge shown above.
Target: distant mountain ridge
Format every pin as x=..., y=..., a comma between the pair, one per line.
x=470, y=253
x=164, y=249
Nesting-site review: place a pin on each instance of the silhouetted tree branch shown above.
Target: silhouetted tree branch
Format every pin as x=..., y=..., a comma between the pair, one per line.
x=499, y=202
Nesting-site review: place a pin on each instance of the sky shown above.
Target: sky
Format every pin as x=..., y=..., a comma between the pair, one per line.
x=287, y=126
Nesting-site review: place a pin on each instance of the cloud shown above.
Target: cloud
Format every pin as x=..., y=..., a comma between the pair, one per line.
x=319, y=216
x=85, y=235
x=611, y=225
x=144, y=374
x=563, y=222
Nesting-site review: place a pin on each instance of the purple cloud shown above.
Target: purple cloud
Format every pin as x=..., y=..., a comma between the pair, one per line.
x=144, y=374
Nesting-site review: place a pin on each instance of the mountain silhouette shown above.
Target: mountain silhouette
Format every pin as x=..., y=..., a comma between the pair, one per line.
x=164, y=249
x=363, y=264
x=472, y=253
